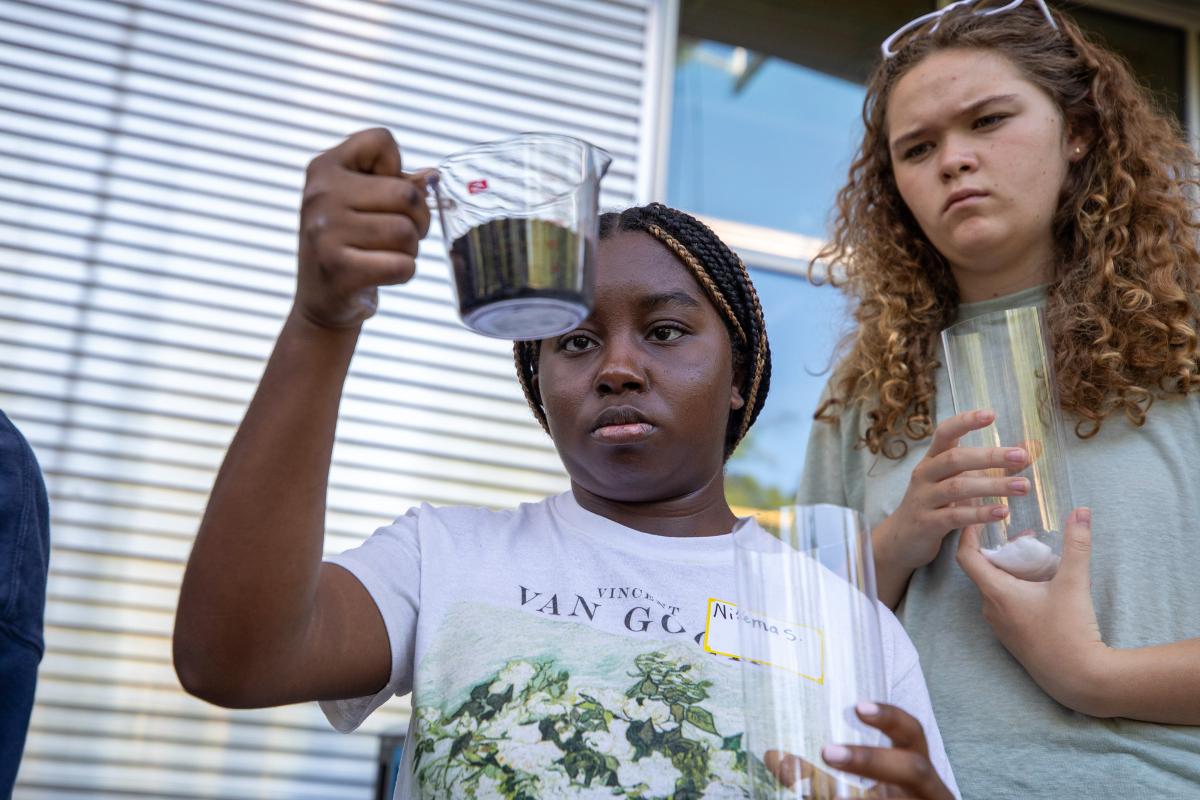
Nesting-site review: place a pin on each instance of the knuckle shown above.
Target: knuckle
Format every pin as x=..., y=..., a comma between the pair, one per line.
x=317, y=226
x=412, y=195
x=920, y=768
x=369, y=137
x=377, y=133
x=406, y=234
x=315, y=196
x=314, y=166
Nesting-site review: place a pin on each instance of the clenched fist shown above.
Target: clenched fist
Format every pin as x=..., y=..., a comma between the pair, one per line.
x=361, y=219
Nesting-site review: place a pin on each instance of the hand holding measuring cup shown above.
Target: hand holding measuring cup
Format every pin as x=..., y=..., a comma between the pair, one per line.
x=519, y=218
x=361, y=219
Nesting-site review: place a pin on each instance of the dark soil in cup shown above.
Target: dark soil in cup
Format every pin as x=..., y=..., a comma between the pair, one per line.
x=511, y=258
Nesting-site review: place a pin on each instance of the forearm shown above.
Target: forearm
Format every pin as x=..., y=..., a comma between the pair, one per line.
x=251, y=580
x=892, y=572
x=1152, y=684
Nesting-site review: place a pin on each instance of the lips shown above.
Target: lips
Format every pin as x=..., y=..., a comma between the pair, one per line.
x=962, y=194
x=622, y=425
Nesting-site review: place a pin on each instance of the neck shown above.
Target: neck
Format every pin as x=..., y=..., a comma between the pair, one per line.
x=703, y=512
x=987, y=281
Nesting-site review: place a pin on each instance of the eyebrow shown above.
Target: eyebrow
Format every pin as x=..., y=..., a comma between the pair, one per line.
x=660, y=299
x=917, y=133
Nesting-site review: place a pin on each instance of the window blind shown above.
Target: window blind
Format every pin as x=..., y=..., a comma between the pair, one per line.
x=151, y=160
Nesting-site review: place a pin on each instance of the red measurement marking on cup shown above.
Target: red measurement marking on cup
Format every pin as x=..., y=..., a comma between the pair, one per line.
x=475, y=187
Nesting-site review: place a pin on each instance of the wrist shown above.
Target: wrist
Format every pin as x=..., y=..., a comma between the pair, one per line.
x=308, y=351
x=1098, y=683
x=303, y=323
x=1112, y=674
x=330, y=345
x=891, y=550
x=891, y=573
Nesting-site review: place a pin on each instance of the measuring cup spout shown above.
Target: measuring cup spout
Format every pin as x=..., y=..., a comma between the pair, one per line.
x=601, y=161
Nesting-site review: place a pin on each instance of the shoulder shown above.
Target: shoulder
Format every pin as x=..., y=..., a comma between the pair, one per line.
x=472, y=520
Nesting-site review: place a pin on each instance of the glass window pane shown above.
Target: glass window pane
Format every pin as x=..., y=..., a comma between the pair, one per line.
x=767, y=105
x=751, y=149
x=804, y=323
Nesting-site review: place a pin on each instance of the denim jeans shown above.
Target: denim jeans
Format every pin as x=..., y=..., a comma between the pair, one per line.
x=24, y=558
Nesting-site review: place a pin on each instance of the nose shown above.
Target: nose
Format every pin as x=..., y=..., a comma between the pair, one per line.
x=620, y=369
x=957, y=159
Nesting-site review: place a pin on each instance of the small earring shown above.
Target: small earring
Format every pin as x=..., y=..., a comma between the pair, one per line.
x=1078, y=150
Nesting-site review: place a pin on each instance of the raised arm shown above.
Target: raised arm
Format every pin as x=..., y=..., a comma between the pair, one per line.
x=261, y=621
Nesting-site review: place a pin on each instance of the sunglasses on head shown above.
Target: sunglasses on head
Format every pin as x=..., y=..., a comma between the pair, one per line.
x=914, y=24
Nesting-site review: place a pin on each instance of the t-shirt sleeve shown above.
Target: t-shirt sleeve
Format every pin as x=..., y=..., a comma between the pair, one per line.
x=907, y=690
x=388, y=565
x=823, y=478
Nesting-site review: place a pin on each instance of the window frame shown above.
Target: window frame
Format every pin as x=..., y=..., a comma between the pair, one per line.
x=790, y=253
x=1164, y=13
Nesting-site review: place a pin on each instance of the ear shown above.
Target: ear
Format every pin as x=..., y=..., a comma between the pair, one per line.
x=736, y=401
x=535, y=386
x=1076, y=144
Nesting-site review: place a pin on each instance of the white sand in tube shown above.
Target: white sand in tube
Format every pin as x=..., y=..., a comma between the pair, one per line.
x=1025, y=557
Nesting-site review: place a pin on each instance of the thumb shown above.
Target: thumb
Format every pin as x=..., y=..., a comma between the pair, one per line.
x=372, y=152
x=972, y=560
x=968, y=545
x=1077, y=546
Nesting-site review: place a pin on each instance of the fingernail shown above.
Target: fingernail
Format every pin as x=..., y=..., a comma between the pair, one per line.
x=1020, y=485
x=1000, y=512
x=1084, y=515
x=835, y=754
x=1015, y=455
x=984, y=416
x=867, y=708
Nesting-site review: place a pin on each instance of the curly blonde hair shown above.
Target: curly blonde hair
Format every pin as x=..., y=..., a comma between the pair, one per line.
x=1122, y=305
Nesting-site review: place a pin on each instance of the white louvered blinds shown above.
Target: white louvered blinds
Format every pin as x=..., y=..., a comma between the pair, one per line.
x=151, y=158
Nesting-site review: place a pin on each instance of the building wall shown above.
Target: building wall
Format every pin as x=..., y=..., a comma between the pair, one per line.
x=151, y=158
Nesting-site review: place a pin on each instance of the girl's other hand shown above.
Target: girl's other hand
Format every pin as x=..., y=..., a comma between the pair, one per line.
x=941, y=493
x=902, y=770
x=1049, y=626
x=361, y=219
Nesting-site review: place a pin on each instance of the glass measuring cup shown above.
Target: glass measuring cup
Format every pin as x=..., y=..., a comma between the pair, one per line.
x=520, y=221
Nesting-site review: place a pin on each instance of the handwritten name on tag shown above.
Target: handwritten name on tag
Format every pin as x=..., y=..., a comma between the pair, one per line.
x=764, y=640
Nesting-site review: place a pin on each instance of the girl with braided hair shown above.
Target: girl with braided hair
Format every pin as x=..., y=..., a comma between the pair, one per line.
x=1008, y=160
x=555, y=649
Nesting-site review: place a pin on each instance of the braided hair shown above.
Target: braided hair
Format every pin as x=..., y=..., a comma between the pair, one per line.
x=722, y=275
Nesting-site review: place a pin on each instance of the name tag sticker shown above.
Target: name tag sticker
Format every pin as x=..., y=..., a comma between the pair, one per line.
x=772, y=642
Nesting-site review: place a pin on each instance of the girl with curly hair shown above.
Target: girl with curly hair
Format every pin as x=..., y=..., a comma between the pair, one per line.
x=1008, y=160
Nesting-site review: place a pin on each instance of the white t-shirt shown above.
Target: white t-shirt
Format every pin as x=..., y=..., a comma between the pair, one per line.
x=551, y=650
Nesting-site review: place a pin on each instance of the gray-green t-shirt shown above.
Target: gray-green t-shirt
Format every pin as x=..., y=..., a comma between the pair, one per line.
x=1005, y=737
